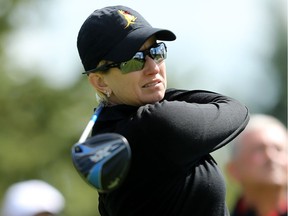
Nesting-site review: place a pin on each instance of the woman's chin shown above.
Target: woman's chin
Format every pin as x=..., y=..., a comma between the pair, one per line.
x=154, y=98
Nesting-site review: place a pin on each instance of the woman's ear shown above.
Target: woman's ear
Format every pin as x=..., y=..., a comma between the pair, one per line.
x=97, y=81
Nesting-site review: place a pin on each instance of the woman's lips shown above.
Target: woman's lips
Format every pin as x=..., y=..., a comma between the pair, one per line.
x=151, y=84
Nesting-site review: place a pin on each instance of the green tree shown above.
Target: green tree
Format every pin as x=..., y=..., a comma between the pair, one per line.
x=279, y=60
x=40, y=124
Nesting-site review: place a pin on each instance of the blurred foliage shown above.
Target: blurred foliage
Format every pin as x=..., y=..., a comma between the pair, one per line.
x=40, y=124
x=38, y=127
x=279, y=61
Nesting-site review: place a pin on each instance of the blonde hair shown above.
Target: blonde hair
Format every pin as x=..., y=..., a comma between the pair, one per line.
x=100, y=96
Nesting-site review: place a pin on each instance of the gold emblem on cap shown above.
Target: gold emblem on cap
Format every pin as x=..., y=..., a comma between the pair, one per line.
x=128, y=17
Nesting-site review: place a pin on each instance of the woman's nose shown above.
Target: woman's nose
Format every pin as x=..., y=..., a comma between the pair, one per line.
x=150, y=67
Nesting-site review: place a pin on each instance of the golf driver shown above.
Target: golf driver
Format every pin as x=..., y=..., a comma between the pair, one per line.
x=102, y=160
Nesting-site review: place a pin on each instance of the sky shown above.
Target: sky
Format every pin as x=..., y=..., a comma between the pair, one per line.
x=221, y=44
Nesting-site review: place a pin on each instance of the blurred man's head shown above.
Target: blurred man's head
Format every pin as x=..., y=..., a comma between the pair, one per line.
x=259, y=156
x=33, y=198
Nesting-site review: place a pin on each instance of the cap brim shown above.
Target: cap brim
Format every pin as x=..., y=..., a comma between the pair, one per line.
x=126, y=49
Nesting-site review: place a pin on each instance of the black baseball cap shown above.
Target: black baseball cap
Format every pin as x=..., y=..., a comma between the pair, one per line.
x=115, y=33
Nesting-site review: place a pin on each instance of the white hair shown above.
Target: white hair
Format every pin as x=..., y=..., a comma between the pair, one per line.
x=257, y=121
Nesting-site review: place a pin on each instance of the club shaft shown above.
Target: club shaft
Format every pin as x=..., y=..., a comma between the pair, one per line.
x=90, y=124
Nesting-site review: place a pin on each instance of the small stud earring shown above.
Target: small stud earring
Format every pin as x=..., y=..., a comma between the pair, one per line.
x=107, y=93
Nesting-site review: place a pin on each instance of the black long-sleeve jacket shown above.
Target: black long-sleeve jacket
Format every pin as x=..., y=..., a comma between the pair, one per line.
x=172, y=172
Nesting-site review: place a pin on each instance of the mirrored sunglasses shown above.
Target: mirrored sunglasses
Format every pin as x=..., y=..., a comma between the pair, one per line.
x=158, y=53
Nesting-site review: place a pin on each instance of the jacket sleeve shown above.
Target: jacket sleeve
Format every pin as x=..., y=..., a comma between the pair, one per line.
x=191, y=124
